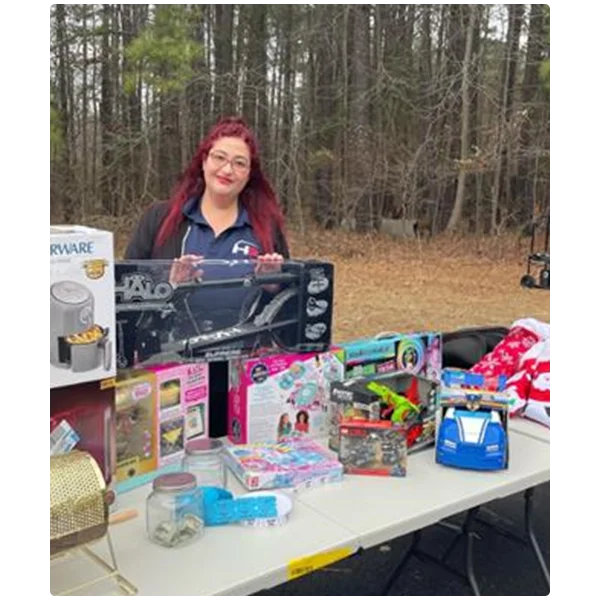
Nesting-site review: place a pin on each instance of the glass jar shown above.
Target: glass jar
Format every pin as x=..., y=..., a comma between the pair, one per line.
x=204, y=459
x=174, y=510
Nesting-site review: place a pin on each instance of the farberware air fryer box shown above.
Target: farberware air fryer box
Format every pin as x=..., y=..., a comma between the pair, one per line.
x=82, y=305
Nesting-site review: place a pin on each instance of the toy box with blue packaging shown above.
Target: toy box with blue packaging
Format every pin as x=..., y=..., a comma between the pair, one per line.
x=282, y=395
x=414, y=353
x=472, y=426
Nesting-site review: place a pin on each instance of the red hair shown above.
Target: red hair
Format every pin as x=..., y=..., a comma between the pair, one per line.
x=258, y=197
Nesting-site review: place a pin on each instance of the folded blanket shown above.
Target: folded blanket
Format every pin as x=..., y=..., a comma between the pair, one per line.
x=524, y=357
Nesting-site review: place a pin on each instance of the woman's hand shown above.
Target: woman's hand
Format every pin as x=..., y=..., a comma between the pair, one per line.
x=185, y=269
x=269, y=263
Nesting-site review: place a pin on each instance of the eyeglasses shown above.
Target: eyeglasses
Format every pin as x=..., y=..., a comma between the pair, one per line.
x=238, y=163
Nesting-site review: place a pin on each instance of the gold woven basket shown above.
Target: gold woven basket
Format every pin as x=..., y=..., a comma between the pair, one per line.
x=78, y=502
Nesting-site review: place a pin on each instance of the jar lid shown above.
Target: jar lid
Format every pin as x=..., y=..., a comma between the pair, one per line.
x=206, y=446
x=174, y=482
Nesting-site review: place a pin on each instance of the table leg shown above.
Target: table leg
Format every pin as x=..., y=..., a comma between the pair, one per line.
x=469, y=564
x=531, y=538
x=531, y=534
x=416, y=538
x=466, y=532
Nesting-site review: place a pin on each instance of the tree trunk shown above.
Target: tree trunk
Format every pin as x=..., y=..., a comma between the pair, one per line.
x=358, y=150
x=224, y=76
x=456, y=215
x=106, y=114
x=66, y=198
x=531, y=103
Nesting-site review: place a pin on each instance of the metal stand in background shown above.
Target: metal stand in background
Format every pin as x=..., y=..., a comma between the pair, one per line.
x=109, y=571
x=538, y=259
x=466, y=532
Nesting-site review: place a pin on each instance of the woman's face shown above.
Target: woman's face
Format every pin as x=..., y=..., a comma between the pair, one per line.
x=227, y=167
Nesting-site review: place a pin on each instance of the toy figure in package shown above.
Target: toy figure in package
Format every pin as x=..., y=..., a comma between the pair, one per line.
x=219, y=309
x=373, y=448
x=401, y=398
x=473, y=429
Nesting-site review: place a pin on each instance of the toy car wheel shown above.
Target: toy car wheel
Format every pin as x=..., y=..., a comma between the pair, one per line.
x=527, y=281
x=545, y=279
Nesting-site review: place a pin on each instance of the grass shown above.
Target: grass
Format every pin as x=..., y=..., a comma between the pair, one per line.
x=442, y=284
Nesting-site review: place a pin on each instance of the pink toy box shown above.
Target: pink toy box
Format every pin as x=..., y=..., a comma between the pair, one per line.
x=182, y=408
x=278, y=396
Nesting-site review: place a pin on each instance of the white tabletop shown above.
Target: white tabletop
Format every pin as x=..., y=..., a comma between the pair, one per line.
x=228, y=560
x=378, y=509
x=530, y=428
x=360, y=511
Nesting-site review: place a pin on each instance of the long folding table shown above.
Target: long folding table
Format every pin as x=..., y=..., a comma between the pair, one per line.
x=327, y=524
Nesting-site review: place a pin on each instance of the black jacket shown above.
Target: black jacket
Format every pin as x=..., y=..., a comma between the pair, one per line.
x=141, y=245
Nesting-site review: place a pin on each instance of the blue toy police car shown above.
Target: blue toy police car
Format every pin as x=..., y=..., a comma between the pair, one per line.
x=472, y=439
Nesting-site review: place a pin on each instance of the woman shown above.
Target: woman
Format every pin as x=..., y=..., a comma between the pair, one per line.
x=222, y=208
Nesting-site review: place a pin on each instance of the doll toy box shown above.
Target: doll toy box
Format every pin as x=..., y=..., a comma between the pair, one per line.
x=297, y=463
x=182, y=408
x=281, y=395
x=373, y=448
x=402, y=398
x=82, y=305
x=136, y=429
x=219, y=309
x=82, y=417
x=414, y=353
x=472, y=430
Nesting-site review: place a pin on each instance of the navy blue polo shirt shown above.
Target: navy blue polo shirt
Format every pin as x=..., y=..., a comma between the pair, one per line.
x=236, y=242
x=218, y=308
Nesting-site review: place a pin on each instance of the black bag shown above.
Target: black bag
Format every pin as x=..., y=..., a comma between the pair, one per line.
x=464, y=348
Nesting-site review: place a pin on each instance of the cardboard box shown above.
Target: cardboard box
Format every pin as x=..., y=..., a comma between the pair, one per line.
x=414, y=353
x=182, y=408
x=278, y=396
x=366, y=399
x=220, y=310
x=373, y=448
x=136, y=429
x=82, y=305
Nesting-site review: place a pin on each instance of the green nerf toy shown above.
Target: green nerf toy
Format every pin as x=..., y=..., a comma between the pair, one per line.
x=400, y=406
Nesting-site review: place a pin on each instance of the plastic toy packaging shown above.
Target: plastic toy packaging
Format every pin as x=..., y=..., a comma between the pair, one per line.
x=400, y=398
x=473, y=429
x=373, y=448
x=168, y=310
